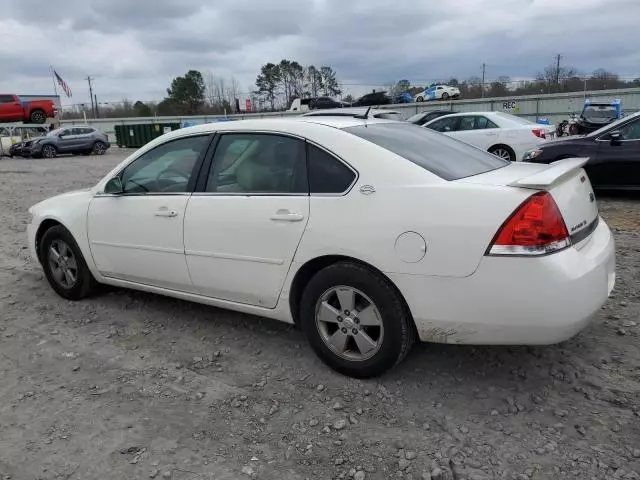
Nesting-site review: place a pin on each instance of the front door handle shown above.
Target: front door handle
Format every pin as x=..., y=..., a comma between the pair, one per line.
x=164, y=212
x=286, y=216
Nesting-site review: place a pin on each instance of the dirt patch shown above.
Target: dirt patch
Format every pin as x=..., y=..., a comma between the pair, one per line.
x=130, y=385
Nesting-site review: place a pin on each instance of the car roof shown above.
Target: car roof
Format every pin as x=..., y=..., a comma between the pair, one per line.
x=285, y=125
x=350, y=111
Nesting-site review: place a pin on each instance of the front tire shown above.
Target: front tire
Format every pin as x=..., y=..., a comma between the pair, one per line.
x=420, y=99
x=49, y=151
x=355, y=320
x=445, y=96
x=64, y=265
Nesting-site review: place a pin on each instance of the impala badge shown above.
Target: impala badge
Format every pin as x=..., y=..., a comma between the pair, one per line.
x=367, y=189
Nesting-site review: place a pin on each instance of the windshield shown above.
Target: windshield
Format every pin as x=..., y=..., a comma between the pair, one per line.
x=612, y=126
x=389, y=116
x=55, y=132
x=444, y=156
x=599, y=112
x=415, y=118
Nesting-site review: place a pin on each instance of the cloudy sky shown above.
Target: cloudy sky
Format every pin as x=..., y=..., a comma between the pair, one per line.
x=134, y=48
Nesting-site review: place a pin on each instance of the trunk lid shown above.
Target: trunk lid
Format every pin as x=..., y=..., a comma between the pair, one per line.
x=565, y=180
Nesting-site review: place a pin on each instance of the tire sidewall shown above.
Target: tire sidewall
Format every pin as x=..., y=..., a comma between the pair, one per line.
x=84, y=278
x=95, y=145
x=387, y=301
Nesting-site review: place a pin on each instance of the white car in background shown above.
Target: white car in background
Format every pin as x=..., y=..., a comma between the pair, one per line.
x=367, y=233
x=502, y=134
x=437, y=92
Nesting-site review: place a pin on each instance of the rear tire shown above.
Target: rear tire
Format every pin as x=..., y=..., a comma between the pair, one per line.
x=64, y=265
x=99, y=148
x=503, y=151
x=445, y=96
x=37, y=116
x=355, y=320
x=420, y=99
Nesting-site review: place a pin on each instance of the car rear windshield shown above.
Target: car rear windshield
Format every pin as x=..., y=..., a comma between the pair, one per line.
x=444, y=156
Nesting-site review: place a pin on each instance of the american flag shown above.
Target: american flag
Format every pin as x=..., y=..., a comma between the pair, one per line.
x=63, y=84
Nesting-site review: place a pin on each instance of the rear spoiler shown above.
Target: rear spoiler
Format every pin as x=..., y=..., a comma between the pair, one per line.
x=557, y=171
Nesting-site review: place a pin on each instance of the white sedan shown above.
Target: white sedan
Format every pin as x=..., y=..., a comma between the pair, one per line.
x=367, y=233
x=438, y=92
x=502, y=134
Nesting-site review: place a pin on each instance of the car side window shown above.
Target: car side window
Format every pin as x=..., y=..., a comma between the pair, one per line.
x=77, y=131
x=165, y=169
x=631, y=131
x=256, y=163
x=467, y=123
x=484, y=122
x=327, y=174
x=6, y=99
x=444, y=124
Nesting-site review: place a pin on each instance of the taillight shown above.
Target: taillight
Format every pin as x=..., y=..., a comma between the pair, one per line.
x=535, y=228
x=539, y=132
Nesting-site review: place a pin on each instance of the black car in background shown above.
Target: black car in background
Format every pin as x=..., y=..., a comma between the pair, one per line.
x=320, y=103
x=424, y=117
x=613, y=151
x=373, y=99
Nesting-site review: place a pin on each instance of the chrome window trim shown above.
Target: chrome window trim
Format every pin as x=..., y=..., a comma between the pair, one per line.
x=269, y=194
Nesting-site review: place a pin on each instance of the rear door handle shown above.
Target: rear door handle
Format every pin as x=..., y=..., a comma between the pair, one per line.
x=163, y=212
x=286, y=216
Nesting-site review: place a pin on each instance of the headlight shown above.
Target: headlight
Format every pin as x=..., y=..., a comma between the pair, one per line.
x=531, y=154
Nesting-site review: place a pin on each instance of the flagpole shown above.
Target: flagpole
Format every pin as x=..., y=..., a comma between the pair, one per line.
x=53, y=79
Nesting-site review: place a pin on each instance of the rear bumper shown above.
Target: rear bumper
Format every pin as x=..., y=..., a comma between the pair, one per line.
x=516, y=301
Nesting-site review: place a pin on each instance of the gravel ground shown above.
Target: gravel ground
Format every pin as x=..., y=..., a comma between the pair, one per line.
x=131, y=385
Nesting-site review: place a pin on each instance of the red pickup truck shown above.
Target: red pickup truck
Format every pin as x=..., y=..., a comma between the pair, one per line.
x=12, y=109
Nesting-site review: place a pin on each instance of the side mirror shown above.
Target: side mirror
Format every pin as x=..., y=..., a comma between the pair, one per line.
x=114, y=186
x=615, y=136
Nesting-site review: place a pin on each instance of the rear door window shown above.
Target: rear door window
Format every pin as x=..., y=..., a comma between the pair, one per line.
x=326, y=173
x=441, y=155
x=449, y=124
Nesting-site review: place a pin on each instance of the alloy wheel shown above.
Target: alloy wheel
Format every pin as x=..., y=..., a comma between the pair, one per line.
x=62, y=263
x=48, y=151
x=99, y=148
x=38, y=117
x=502, y=153
x=349, y=323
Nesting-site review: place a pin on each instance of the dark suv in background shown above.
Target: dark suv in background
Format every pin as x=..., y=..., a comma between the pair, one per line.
x=76, y=140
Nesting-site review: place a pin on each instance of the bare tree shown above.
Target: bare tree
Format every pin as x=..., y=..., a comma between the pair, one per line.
x=231, y=92
x=209, y=87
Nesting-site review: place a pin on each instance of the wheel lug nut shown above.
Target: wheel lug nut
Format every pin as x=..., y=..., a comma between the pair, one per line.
x=355, y=331
x=347, y=313
x=339, y=319
x=356, y=320
x=344, y=330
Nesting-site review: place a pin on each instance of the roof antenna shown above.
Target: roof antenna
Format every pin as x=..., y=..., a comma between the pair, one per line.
x=365, y=115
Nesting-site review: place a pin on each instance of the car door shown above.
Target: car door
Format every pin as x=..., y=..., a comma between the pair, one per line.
x=447, y=125
x=243, y=226
x=477, y=130
x=617, y=163
x=10, y=109
x=137, y=235
x=65, y=140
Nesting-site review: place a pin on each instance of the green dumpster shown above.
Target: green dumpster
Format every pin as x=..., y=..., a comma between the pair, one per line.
x=137, y=135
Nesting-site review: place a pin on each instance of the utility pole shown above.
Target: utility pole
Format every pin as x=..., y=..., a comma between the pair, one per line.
x=558, y=57
x=95, y=97
x=93, y=109
x=484, y=68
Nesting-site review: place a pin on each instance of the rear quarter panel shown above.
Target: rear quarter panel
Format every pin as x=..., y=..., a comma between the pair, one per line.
x=456, y=220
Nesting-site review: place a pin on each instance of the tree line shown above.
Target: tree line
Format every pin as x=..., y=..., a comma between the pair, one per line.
x=277, y=84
